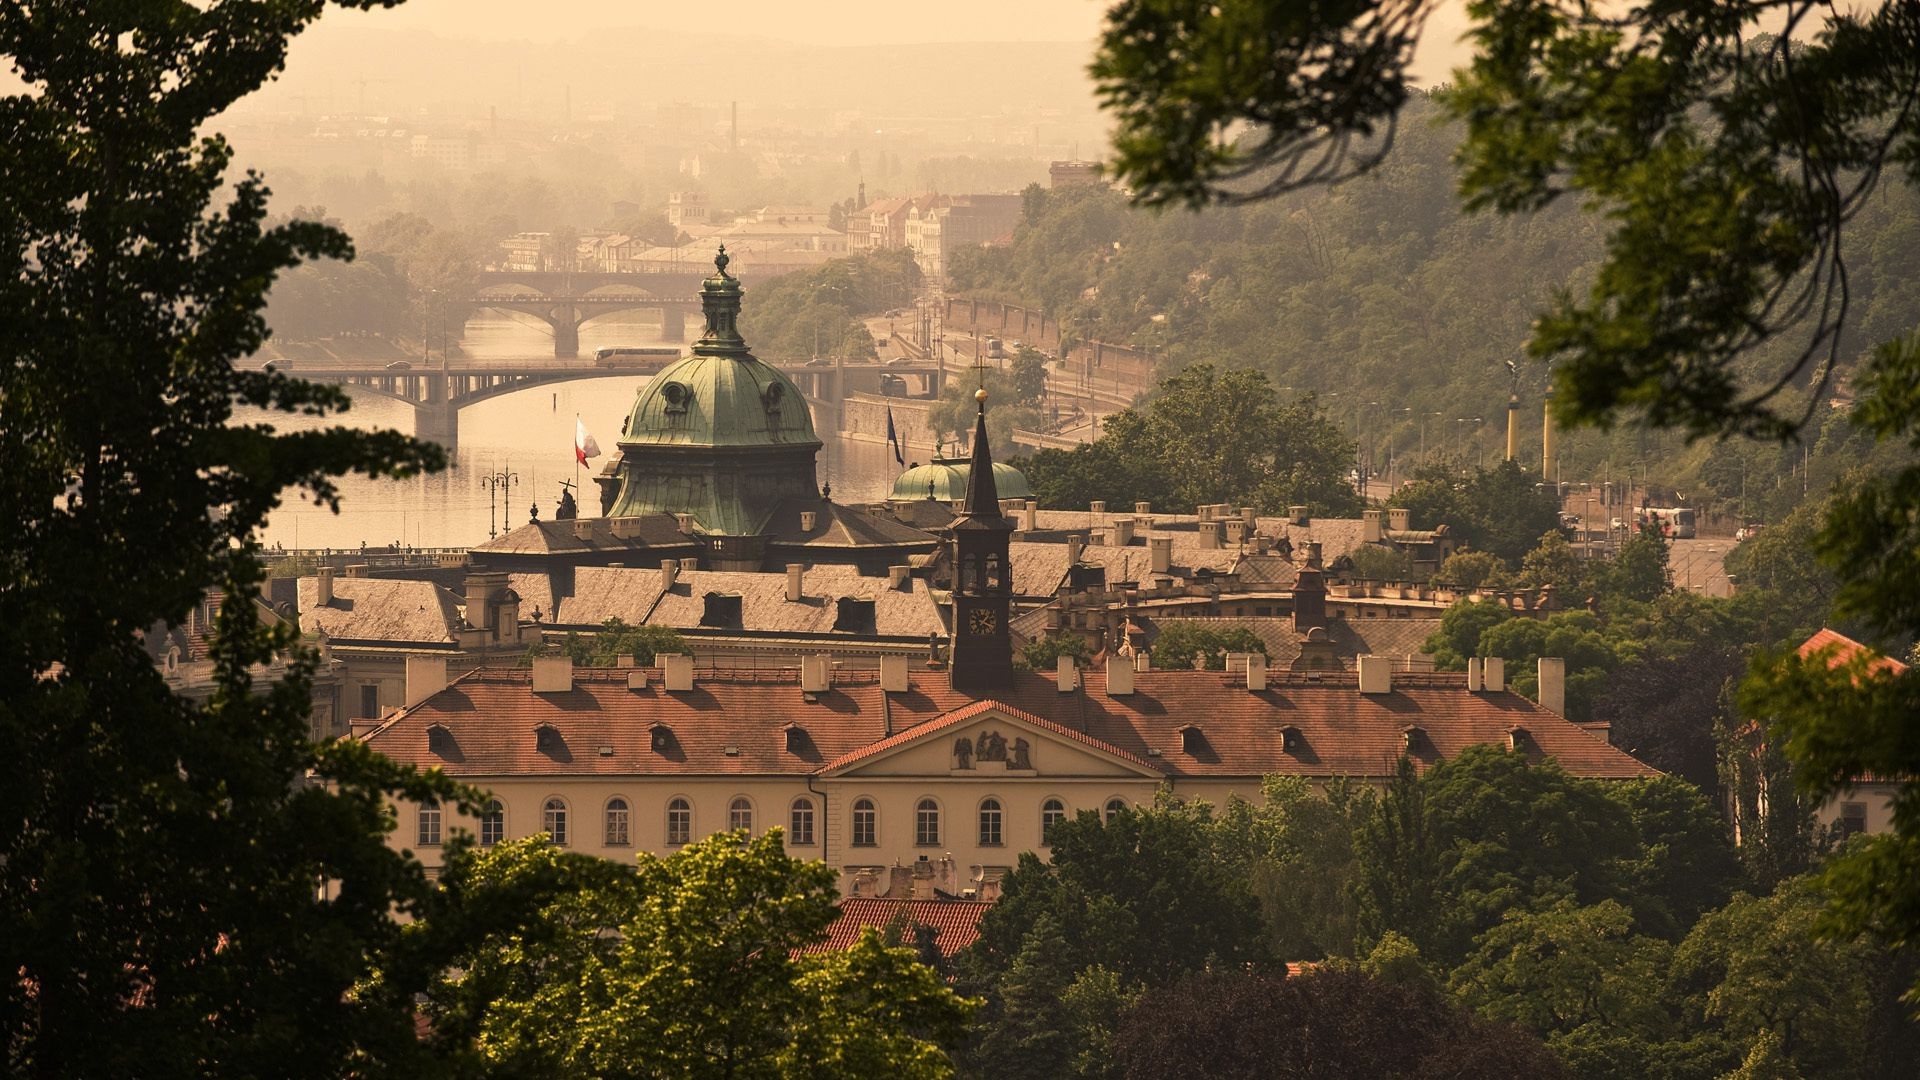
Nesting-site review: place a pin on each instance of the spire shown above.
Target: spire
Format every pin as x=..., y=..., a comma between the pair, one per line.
x=720, y=300
x=983, y=495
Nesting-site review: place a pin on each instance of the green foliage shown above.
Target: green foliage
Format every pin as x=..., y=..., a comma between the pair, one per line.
x=1497, y=510
x=953, y=415
x=1206, y=436
x=1781, y=560
x=615, y=639
x=1373, y=562
x=818, y=312
x=1195, y=643
x=689, y=965
x=1043, y=654
x=158, y=870
x=1639, y=570
x=1471, y=569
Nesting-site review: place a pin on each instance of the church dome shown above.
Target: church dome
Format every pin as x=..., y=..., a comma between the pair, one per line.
x=721, y=395
x=945, y=480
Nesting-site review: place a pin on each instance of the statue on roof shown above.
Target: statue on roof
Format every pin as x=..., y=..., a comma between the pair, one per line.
x=568, y=509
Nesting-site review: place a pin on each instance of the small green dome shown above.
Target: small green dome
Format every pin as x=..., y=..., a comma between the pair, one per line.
x=705, y=400
x=945, y=480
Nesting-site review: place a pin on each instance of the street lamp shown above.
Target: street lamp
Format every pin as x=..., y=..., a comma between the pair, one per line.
x=502, y=483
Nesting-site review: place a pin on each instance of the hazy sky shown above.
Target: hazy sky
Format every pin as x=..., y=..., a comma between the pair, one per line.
x=815, y=22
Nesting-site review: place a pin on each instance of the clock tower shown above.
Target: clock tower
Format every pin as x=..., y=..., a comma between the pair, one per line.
x=982, y=579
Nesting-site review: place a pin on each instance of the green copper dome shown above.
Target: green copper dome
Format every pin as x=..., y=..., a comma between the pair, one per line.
x=705, y=400
x=945, y=480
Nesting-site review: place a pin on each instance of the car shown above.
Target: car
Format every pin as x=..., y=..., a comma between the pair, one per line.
x=901, y=361
x=400, y=365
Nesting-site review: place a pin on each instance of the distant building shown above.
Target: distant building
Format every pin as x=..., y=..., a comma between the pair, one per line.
x=1074, y=174
x=526, y=251
x=686, y=208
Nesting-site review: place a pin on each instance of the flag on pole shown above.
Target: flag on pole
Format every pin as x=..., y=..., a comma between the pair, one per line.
x=893, y=439
x=584, y=448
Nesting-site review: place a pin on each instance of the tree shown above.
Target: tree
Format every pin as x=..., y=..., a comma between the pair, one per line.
x=1191, y=643
x=691, y=965
x=1640, y=570
x=615, y=640
x=1029, y=370
x=1723, y=302
x=1376, y=562
x=1043, y=654
x=1498, y=510
x=157, y=876
x=1234, y=1024
x=1470, y=570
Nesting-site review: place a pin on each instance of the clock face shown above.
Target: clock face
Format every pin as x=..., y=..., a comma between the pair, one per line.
x=982, y=621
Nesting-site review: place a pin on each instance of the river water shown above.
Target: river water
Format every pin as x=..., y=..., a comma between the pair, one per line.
x=528, y=434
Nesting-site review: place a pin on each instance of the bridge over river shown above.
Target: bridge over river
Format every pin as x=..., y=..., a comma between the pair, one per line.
x=439, y=389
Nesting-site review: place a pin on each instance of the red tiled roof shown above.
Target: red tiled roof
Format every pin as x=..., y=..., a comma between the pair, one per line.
x=490, y=716
x=1845, y=649
x=968, y=712
x=956, y=923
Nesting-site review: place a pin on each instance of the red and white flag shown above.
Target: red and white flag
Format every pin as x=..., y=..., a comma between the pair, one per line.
x=584, y=448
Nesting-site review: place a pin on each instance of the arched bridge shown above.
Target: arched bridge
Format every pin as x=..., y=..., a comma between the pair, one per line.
x=438, y=390
x=565, y=300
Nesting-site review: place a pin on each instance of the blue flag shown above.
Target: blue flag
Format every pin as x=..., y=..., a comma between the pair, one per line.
x=893, y=439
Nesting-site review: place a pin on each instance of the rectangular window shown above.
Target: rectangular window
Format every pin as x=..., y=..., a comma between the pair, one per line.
x=617, y=815
x=370, y=700
x=679, y=823
x=990, y=825
x=1853, y=818
x=801, y=832
x=863, y=825
x=926, y=825
x=429, y=834
x=493, y=825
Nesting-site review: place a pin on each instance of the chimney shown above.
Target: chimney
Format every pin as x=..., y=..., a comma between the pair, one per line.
x=637, y=679
x=1256, y=671
x=796, y=581
x=807, y=520
x=1075, y=545
x=481, y=589
x=1397, y=518
x=1119, y=675
x=1376, y=675
x=1098, y=506
x=893, y=673
x=1249, y=519
x=1313, y=554
x=426, y=676
x=324, y=576
x=900, y=577
x=669, y=572
x=1210, y=532
x=357, y=570
x=583, y=528
x=1476, y=675
x=1495, y=668
x=620, y=528
x=676, y=670
x=1066, y=674
x=1236, y=532
x=1122, y=531
x=552, y=674
x=1297, y=515
x=1309, y=601
x=1030, y=516
x=1370, y=526
x=1161, y=549
x=684, y=521
x=1553, y=685
x=1203, y=512
x=815, y=674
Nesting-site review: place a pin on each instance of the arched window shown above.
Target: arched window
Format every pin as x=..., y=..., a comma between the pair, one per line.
x=800, y=830
x=740, y=814
x=926, y=823
x=1051, y=811
x=865, y=826
x=679, y=822
x=619, y=817
x=553, y=818
x=429, y=832
x=990, y=833
x=493, y=824
x=1115, y=807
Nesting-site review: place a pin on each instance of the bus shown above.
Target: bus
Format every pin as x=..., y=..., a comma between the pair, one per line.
x=644, y=356
x=1674, y=522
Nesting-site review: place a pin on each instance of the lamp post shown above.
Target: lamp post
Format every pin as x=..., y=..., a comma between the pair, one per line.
x=501, y=483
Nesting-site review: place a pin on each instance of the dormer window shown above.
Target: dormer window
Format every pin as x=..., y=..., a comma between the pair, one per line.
x=661, y=738
x=722, y=610
x=1192, y=740
x=440, y=741
x=1517, y=738
x=1413, y=738
x=1291, y=740
x=797, y=740
x=547, y=740
x=854, y=614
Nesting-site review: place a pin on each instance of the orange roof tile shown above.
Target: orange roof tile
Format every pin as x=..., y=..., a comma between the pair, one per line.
x=968, y=712
x=956, y=923
x=1845, y=649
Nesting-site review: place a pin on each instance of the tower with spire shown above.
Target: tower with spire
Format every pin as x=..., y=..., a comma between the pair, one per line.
x=982, y=578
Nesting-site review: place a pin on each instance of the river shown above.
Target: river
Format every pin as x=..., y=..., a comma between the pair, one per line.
x=528, y=434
